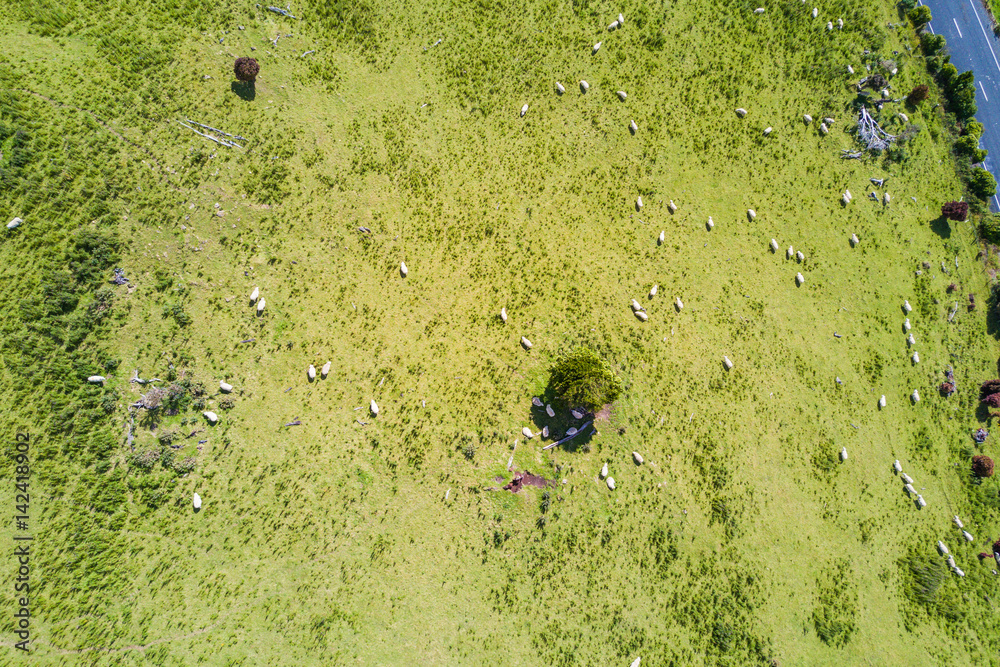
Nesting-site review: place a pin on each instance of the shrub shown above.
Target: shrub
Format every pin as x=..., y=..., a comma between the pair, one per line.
x=246, y=69
x=982, y=184
x=186, y=464
x=584, y=379
x=931, y=44
x=968, y=146
x=227, y=404
x=982, y=466
x=948, y=73
x=920, y=15
x=955, y=210
x=918, y=94
x=973, y=128
x=146, y=459
x=993, y=400
x=989, y=230
x=989, y=387
x=167, y=437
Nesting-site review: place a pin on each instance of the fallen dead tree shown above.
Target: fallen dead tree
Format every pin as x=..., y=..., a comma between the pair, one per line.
x=869, y=132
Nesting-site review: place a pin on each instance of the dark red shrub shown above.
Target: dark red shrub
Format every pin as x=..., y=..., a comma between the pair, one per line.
x=989, y=387
x=955, y=210
x=246, y=69
x=982, y=466
x=918, y=95
x=947, y=389
x=993, y=400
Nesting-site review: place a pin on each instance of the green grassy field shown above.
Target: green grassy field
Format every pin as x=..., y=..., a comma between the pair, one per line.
x=351, y=539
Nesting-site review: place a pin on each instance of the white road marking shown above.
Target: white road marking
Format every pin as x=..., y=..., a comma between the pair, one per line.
x=997, y=63
x=984, y=90
x=957, y=28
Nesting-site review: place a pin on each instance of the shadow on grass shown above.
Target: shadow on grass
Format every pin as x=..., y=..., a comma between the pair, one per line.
x=993, y=316
x=941, y=227
x=246, y=90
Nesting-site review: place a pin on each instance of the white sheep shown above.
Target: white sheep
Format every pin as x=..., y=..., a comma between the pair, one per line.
x=906, y=478
x=211, y=416
x=527, y=433
x=828, y=120
x=640, y=314
x=524, y=110
x=815, y=12
x=910, y=340
x=790, y=252
x=907, y=307
x=909, y=489
x=906, y=324
x=903, y=117
x=710, y=224
x=636, y=306
x=672, y=206
x=767, y=130
x=916, y=358
x=260, y=306
x=621, y=20
x=96, y=379
x=751, y=214
x=638, y=458
x=402, y=269
x=225, y=387
x=799, y=279
x=632, y=127
x=774, y=245
x=15, y=223
x=800, y=257
x=374, y=408
x=611, y=483
x=576, y=414
x=840, y=24
x=678, y=304
x=638, y=203
x=613, y=26
x=311, y=372
x=571, y=431
x=549, y=411
x=881, y=404
x=897, y=466
x=196, y=501
x=537, y=402
x=850, y=70
x=653, y=290
x=662, y=237
x=958, y=571
x=526, y=343
x=604, y=471
x=758, y=11
x=727, y=362
x=958, y=522
x=829, y=26
x=968, y=536
x=254, y=294
x=843, y=453
x=545, y=431
x=807, y=118
x=622, y=95
x=886, y=199
x=584, y=86
x=326, y=369
x=942, y=549
x=560, y=88
x=503, y=314
x=741, y=112
x=823, y=129
x=915, y=396
x=596, y=48
x=855, y=240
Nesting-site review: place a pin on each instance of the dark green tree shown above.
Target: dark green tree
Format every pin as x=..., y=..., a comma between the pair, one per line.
x=982, y=184
x=920, y=15
x=968, y=146
x=584, y=379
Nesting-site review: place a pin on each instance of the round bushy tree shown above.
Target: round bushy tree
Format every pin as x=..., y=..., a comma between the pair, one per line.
x=982, y=184
x=955, y=210
x=246, y=69
x=920, y=15
x=584, y=379
x=982, y=466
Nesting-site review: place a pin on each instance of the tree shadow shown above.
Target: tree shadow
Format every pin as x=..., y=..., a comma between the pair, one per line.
x=983, y=413
x=993, y=315
x=246, y=90
x=941, y=227
x=561, y=423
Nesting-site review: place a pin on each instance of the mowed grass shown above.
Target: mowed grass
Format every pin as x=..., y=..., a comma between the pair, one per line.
x=353, y=539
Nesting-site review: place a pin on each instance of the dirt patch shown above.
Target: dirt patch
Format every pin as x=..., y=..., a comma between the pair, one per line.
x=604, y=414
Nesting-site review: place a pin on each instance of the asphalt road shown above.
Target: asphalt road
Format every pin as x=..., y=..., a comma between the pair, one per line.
x=966, y=26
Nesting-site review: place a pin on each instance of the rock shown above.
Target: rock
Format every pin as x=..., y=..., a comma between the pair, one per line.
x=641, y=315
x=652, y=291
x=632, y=127
x=374, y=408
x=727, y=362
x=638, y=203
x=525, y=343
x=799, y=279
x=560, y=88
x=660, y=239
x=225, y=387
x=196, y=501
x=622, y=95
x=571, y=431
x=403, y=270
x=211, y=416
x=524, y=110
x=637, y=457
x=311, y=372
x=326, y=369
x=881, y=403
x=260, y=306
x=576, y=414
x=527, y=433
x=15, y=223
x=537, y=402
x=741, y=113
x=549, y=411
x=254, y=295
x=584, y=87
x=503, y=314
x=611, y=483
x=843, y=453
x=604, y=471
x=751, y=214
x=96, y=379
x=597, y=47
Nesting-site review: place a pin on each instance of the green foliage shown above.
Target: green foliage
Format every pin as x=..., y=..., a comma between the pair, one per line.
x=177, y=312
x=920, y=16
x=973, y=128
x=907, y=5
x=835, y=614
x=989, y=228
x=981, y=183
x=582, y=378
x=968, y=146
x=931, y=44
